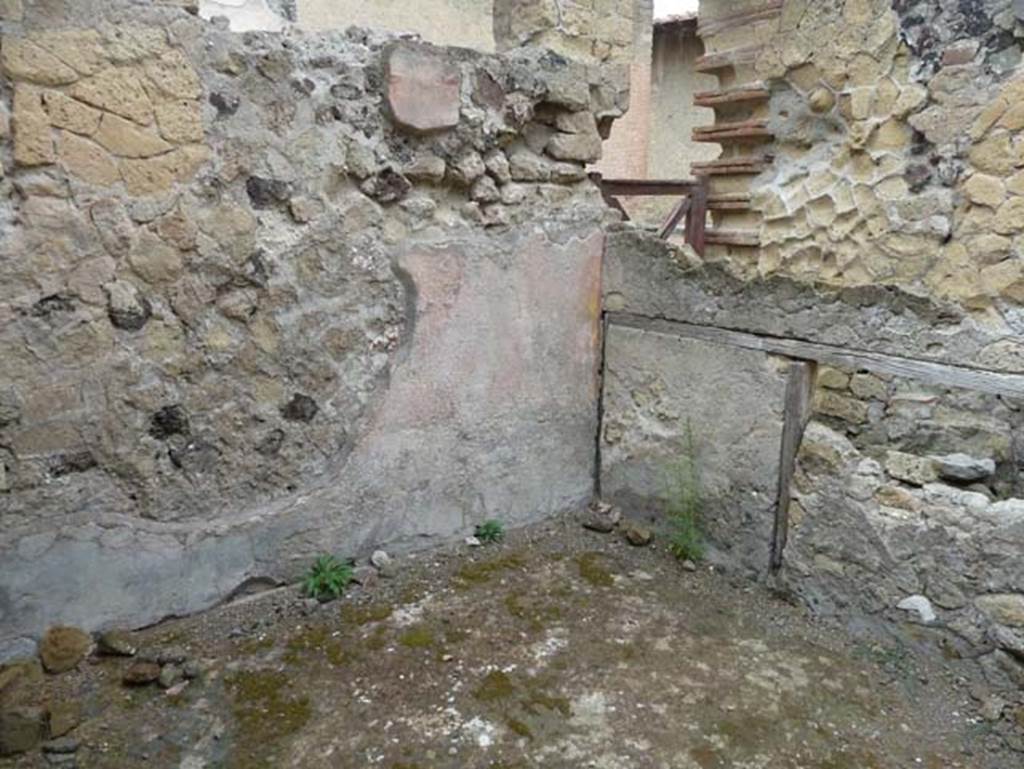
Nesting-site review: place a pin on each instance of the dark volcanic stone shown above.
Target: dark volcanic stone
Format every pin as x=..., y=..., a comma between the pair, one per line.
x=301, y=408
x=168, y=421
x=267, y=193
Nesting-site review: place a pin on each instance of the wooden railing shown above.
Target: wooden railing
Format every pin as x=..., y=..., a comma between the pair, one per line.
x=692, y=206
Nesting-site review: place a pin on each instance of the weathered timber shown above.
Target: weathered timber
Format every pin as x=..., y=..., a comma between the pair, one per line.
x=946, y=374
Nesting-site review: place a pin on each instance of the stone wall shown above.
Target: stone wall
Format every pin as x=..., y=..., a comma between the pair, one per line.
x=880, y=146
x=895, y=153
x=268, y=295
x=861, y=449
x=913, y=492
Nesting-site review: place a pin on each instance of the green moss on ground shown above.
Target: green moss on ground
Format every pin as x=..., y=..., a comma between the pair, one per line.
x=265, y=713
x=593, y=569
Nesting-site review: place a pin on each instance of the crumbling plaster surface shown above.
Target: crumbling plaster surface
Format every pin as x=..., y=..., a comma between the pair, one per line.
x=248, y=317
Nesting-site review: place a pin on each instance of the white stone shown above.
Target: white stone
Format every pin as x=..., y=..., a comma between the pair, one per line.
x=921, y=605
x=243, y=15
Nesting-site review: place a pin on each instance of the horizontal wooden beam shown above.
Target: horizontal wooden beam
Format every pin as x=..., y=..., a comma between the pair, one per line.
x=736, y=95
x=745, y=238
x=725, y=132
x=729, y=201
x=648, y=186
x=728, y=166
x=944, y=374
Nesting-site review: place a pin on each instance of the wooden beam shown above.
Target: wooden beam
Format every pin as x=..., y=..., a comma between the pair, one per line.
x=797, y=413
x=735, y=95
x=729, y=205
x=944, y=374
x=696, y=221
x=745, y=238
x=724, y=132
x=678, y=212
x=753, y=164
x=648, y=186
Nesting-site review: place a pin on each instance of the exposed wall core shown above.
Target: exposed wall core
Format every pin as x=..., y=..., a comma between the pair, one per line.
x=269, y=295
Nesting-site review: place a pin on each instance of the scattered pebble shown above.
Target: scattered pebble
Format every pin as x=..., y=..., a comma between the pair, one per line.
x=117, y=643
x=141, y=673
x=636, y=533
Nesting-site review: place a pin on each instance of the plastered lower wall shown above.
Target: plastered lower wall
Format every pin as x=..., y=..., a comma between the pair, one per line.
x=269, y=295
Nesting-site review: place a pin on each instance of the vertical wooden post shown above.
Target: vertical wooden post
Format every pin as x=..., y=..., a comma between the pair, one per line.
x=698, y=214
x=799, y=390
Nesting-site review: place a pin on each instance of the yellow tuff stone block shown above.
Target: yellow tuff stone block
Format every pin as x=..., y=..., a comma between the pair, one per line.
x=86, y=160
x=33, y=139
x=1015, y=183
x=891, y=136
x=994, y=155
x=180, y=121
x=155, y=262
x=80, y=49
x=128, y=140
x=987, y=118
x=989, y=248
x=886, y=95
x=910, y=99
x=1013, y=118
x=173, y=76
x=150, y=176
x=26, y=61
x=118, y=90
x=985, y=190
x=71, y=115
x=1010, y=217
x=1005, y=279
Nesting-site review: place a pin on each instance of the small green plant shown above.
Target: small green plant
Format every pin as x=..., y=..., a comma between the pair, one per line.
x=327, y=578
x=685, y=502
x=490, y=531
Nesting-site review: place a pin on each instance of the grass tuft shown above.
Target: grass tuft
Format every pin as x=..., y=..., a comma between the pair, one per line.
x=490, y=531
x=685, y=502
x=327, y=578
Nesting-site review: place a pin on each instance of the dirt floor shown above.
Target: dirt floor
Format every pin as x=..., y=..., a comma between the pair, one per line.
x=560, y=647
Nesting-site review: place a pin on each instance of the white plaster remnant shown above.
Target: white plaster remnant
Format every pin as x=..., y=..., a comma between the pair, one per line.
x=921, y=605
x=243, y=15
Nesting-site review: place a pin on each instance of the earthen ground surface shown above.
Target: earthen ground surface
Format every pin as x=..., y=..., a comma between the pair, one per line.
x=557, y=648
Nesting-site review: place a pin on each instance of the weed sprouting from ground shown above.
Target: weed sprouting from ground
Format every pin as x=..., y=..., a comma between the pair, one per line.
x=685, y=502
x=490, y=531
x=327, y=578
